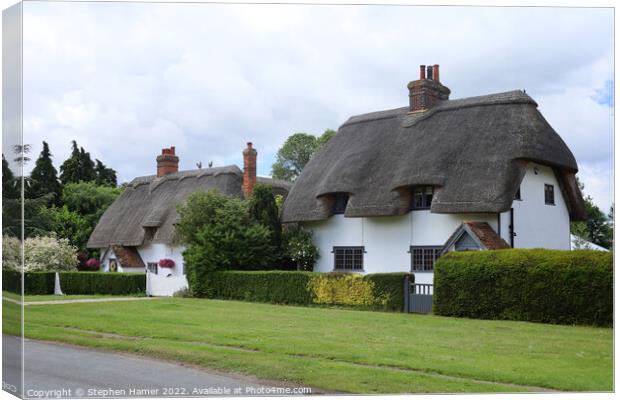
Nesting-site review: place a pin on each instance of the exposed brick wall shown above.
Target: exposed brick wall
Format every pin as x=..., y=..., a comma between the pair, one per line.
x=249, y=170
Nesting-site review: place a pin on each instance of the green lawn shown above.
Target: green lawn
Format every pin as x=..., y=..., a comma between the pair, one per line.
x=52, y=297
x=335, y=349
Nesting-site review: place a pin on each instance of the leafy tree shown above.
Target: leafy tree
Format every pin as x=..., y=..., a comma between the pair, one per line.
x=78, y=167
x=325, y=137
x=71, y=225
x=225, y=238
x=104, y=176
x=47, y=253
x=263, y=209
x=597, y=226
x=296, y=152
x=293, y=156
x=37, y=221
x=43, y=178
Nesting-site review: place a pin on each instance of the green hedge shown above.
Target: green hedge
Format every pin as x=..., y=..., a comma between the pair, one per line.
x=34, y=282
x=553, y=286
x=380, y=291
x=114, y=283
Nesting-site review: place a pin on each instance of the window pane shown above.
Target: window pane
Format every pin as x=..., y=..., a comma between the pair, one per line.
x=349, y=258
x=423, y=257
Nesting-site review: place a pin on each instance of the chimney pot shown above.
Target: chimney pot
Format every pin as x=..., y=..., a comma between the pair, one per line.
x=167, y=162
x=436, y=72
x=422, y=72
x=429, y=72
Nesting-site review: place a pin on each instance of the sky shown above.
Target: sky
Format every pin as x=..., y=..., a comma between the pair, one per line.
x=128, y=79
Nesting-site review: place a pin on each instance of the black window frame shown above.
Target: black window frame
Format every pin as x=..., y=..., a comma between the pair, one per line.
x=340, y=256
x=549, y=194
x=150, y=264
x=420, y=193
x=340, y=203
x=419, y=262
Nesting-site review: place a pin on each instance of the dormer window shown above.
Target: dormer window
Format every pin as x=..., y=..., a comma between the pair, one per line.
x=422, y=197
x=340, y=203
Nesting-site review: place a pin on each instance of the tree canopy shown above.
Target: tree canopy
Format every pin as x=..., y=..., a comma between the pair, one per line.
x=295, y=153
x=598, y=227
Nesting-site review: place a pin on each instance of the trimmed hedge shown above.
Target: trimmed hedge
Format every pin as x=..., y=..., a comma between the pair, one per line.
x=374, y=291
x=552, y=286
x=114, y=283
x=34, y=282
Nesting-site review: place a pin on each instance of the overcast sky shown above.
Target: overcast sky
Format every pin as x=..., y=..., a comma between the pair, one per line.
x=125, y=79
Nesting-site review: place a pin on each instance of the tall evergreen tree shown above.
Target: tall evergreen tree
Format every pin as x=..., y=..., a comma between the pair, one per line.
x=10, y=187
x=105, y=176
x=44, y=177
x=70, y=169
x=78, y=167
x=87, y=167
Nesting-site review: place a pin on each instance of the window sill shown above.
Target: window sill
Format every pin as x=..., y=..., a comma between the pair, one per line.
x=549, y=204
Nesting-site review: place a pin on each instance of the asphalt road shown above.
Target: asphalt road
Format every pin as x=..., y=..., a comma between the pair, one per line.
x=55, y=370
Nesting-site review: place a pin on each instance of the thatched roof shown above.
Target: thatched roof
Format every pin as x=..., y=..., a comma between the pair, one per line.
x=473, y=150
x=150, y=202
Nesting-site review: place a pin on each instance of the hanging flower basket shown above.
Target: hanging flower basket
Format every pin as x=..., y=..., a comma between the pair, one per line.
x=166, y=263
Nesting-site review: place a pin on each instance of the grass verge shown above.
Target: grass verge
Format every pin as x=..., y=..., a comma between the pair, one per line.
x=335, y=349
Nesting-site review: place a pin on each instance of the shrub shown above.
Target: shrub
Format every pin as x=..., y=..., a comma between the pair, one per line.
x=102, y=283
x=47, y=253
x=342, y=288
x=220, y=235
x=375, y=291
x=11, y=253
x=553, y=286
x=300, y=248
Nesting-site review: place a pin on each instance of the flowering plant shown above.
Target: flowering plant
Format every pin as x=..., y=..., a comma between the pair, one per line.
x=166, y=263
x=92, y=264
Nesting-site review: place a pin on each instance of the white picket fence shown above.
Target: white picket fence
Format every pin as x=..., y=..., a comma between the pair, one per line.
x=160, y=285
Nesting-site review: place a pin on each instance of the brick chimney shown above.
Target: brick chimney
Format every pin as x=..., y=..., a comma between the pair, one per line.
x=249, y=170
x=167, y=162
x=427, y=91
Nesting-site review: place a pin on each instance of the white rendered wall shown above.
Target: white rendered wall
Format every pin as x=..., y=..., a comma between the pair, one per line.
x=537, y=224
x=156, y=251
x=386, y=240
x=149, y=253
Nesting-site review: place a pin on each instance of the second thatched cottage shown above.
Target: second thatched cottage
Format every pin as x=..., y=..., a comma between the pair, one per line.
x=393, y=190
x=136, y=233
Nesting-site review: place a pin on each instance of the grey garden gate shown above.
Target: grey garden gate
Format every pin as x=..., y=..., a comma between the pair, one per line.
x=419, y=298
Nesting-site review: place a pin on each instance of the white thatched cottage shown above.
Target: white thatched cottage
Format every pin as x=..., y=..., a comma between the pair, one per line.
x=136, y=233
x=395, y=189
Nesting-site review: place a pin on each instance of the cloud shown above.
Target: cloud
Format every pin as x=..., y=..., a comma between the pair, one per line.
x=126, y=79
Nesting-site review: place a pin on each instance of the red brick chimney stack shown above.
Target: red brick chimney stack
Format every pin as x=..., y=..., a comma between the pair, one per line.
x=167, y=162
x=249, y=170
x=426, y=92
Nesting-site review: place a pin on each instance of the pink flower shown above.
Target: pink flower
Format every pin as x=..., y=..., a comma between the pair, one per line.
x=166, y=263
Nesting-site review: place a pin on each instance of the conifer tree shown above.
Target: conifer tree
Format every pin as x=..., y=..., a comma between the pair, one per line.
x=105, y=176
x=44, y=178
